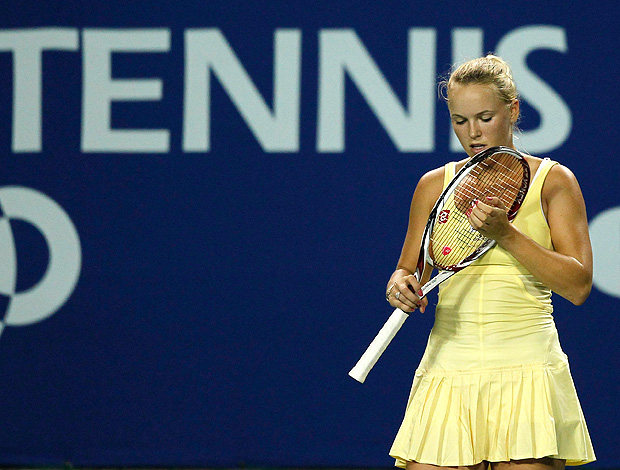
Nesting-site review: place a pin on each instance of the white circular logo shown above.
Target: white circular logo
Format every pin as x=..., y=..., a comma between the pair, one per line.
x=605, y=235
x=65, y=256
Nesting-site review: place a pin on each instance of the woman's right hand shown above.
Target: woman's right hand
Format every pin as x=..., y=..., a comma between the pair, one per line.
x=404, y=292
x=404, y=283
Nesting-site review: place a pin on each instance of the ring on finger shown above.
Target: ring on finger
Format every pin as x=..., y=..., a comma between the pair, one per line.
x=389, y=291
x=397, y=295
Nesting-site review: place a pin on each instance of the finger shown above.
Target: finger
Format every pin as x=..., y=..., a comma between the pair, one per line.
x=476, y=219
x=484, y=208
x=413, y=285
x=403, y=306
x=494, y=211
x=406, y=308
x=494, y=201
x=407, y=300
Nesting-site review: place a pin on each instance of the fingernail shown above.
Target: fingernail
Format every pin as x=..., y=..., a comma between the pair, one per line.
x=489, y=198
x=420, y=293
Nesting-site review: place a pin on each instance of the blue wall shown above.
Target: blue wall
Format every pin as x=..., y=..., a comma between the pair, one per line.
x=178, y=297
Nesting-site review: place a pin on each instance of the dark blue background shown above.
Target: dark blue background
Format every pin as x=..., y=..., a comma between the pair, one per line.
x=225, y=295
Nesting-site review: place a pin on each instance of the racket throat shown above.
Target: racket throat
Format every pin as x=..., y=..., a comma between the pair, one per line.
x=434, y=282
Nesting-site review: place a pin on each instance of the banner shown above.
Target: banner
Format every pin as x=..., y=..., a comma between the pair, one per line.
x=201, y=204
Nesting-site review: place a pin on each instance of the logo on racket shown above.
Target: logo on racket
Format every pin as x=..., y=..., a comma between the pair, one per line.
x=446, y=250
x=443, y=216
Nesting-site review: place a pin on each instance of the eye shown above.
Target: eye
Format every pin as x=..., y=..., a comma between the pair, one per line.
x=486, y=118
x=460, y=121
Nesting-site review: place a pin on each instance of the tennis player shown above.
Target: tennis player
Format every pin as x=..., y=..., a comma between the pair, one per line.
x=494, y=386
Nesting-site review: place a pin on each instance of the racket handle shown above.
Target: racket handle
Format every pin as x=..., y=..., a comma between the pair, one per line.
x=378, y=345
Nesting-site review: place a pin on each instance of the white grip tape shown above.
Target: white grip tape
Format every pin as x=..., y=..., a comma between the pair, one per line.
x=378, y=345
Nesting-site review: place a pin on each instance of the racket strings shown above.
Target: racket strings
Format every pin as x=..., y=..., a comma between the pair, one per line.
x=453, y=238
x=497, y=178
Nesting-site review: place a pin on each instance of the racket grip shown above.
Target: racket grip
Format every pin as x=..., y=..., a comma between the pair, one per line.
x=378, y=345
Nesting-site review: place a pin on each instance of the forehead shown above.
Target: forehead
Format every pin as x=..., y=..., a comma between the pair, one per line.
x=472, y=98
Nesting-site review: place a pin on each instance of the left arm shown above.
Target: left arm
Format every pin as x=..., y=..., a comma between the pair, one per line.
x=567, y=269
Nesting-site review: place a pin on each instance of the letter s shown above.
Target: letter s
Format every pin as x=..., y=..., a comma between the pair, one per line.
x=555, y=115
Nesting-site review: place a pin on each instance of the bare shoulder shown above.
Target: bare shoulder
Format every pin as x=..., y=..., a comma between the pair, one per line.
x=433, y=177
x=561, y=194
x=430, y=185
x=560, y=178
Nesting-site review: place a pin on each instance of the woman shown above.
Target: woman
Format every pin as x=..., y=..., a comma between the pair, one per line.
x=494, y=388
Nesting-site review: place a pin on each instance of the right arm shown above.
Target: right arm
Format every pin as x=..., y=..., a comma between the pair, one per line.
x=424, y=197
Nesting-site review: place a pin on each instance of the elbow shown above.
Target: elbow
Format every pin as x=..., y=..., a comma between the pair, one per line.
x=581, y=286
x=578, y=300
x=580, y=294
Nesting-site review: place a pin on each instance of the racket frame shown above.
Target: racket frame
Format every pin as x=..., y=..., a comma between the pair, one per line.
x=445, y=272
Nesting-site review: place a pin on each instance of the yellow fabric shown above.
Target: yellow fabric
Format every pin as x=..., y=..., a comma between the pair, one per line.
x=494, y=383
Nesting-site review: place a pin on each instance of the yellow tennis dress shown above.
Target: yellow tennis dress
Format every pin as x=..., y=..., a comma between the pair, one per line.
x=494, y=384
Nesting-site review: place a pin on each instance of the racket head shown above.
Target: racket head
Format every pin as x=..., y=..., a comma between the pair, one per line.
x=450, y=242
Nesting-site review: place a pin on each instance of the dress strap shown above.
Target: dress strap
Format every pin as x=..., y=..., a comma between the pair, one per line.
x=535, y=189
x=541, y=173
x=449, y=170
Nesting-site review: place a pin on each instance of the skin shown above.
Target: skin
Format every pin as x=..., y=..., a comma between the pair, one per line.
x=480, y=119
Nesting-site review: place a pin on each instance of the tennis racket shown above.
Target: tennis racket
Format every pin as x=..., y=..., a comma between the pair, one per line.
x=450, y=243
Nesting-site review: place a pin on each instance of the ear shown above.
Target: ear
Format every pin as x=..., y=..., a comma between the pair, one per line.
x=514, y=111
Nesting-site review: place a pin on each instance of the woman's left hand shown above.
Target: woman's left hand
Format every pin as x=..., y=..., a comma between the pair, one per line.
x=489, y=218
x=566, y=268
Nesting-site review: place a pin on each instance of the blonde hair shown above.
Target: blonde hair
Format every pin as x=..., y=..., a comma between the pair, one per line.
x=489, y=70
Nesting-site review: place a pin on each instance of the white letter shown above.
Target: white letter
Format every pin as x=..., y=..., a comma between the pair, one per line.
x=100, y=90
x=342, y=51
x=555, y=116
x=605, y=235
x=207, y=50
x=27, y=47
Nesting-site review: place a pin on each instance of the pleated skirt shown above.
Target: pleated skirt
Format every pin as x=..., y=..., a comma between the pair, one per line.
x=457, y=418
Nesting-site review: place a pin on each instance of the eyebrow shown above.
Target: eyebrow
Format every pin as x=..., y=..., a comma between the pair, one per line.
x=477, y=114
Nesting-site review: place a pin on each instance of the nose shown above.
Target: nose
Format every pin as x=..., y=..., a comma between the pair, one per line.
x=474, y=130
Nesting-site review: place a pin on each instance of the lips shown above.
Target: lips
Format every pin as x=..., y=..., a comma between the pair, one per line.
x=477, y=147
